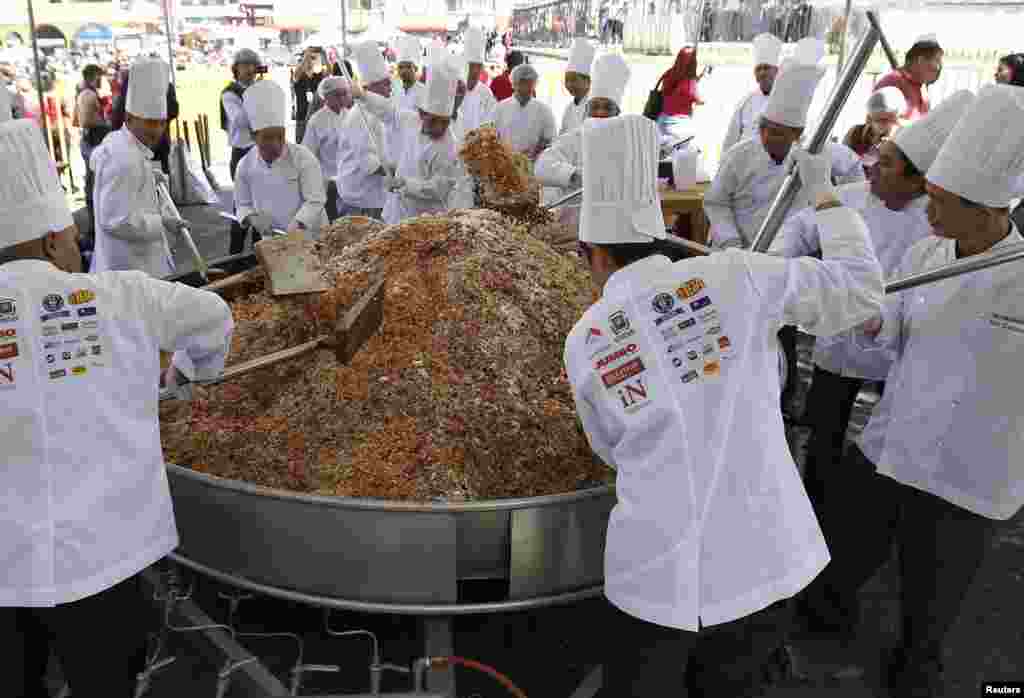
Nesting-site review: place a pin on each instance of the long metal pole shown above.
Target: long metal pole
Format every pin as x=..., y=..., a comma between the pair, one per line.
x=166, y=6
x=886, y=48
x=1010, y=253
x=39, y=76
x=791, y=185
x=344, y=32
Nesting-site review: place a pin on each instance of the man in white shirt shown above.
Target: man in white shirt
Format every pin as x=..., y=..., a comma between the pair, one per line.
x=429, y=165
x=673, y=371
x=527, y=124
x=83, y=489
x=279, y=185
x=362, y=160
x=408, y=89
x=893, y=205
x=941, y=461
x=577, y=83
x=746, y=119
x=131, y=229
x=478, y=105
x=323, y=130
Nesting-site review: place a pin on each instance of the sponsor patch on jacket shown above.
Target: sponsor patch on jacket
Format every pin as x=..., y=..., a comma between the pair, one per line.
x=6, y=376
x=81, y=296
x=52, y=302
x=690, y=289
x=78, y=371
x=724, y=343
x=9, y=333
x=593, y=335
x=634, y=394
x=615, y=356
x=712, y=368
x=57, y=373
x=701, y=302
x=8, y=310
x=668, y=315
x=619, y=322
x=69, y=327
x=663, y=302
x=87, y=312
x=54, y=316
x=623, y=372
x=9, y=350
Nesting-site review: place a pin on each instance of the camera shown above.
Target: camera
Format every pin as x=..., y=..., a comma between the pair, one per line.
x=261, y=70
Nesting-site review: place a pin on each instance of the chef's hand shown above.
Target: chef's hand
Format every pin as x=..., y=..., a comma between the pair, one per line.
x=161, y=178
x=394, y=183
x=576, y=180
x=173, y=225
x=260, y=222
x=815, y=177
x=174, y=385
x=296, y=228
x=357, y=89
x=872, y=327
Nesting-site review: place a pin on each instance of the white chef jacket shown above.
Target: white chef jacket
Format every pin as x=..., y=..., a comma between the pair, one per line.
x=478, y=107
x=950, y=421
x=524, y=127
x=555, y=167
x=675, y=376
x=892, y=233
x=407, y=99
x=358, y=160
x=573, y=116
x=430, y=168
x=129, y=228
x=323, y=130
x=239, y=129
x=741, y=194
x=289, y=189
x=84, y=492
x=746, y=120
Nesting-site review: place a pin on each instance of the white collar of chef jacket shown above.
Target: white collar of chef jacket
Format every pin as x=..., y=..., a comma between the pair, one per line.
x=139, y=144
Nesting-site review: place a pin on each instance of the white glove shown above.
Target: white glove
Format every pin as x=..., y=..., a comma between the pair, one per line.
x=175, y=385
x=173, y=225
x=161, y=178
x=260, y=222
x=394, y=183
x=576, y=180
x=815, y=176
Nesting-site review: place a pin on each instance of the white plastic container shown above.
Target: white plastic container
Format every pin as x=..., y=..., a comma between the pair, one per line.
x=684, y=168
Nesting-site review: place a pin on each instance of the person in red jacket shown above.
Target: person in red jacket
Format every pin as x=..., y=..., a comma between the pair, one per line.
x=680, y=95
x=501, y=86
x=921, y=67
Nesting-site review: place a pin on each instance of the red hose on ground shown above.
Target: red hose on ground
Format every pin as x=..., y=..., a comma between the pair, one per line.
x=483, y=668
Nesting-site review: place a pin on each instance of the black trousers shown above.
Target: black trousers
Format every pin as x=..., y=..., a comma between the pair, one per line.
x=787, y=338
x=100, y=642
x=940, y=545
x=644, y=660
x=333, y=207
x=239, y=233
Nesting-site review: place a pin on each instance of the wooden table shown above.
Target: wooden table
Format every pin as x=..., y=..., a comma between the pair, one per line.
x=689, y=203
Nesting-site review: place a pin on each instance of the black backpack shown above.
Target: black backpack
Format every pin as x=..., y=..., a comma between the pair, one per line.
x=233, y=88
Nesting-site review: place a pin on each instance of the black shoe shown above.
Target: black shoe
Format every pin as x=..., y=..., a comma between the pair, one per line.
x=906, y=677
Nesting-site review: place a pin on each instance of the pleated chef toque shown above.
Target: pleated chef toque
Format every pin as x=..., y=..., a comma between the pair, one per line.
x=809, y=51
x=372, y=66
x=458, y=67
x=439, y=97
x=983, y=157
x=581, y=56
x=147, y=89
x=437, y=54
x=767, y=49
x=409, y=50
x=611, y=74
x=474, y=46
x=620, y=166
x=792, y=94
x=31, y=196
x=921, y=140
x=265, y=105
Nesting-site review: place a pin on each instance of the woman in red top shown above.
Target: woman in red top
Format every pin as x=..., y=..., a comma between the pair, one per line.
x=679, y=95
x=501, y=86
x=921, y=67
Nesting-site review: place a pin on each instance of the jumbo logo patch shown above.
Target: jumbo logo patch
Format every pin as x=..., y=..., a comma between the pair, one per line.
x=616, y=355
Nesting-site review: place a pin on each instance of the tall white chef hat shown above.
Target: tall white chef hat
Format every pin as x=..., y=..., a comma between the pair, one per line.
x=581, y=56
x=265, y=105
x=6, y=104
x=620, y=199
x=474, y=46
x=335, y=83
x=31, y=197
x=147, y=89
x=458, y=66
x=922, y=140
x=888, y=100
x=792, y=94
x=439, y=97
x=409, y=50
x=983, y=157
x=809, y=51
x=611, y=73
x=767, y=49
x=437, y=54
x=372, y=66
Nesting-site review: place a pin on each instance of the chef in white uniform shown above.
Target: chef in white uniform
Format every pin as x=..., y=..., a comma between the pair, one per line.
x=408, y=88
x=429, y=166
x=893, y=205
x=279, y=185
x=577, y=83
x=752, y=173
x=560, y=167
x=746, y=119
x=673, y=371
x=362, y=160
x=526, y=123
x=131, y=231
x=323, y=130
x=83, y=488
x=942, y=459
x=6, y=106
x=479, y=103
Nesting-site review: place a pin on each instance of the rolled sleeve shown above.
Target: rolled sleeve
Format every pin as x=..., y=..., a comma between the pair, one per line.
x=555, y=165
x=311, y=186
x=719, y=205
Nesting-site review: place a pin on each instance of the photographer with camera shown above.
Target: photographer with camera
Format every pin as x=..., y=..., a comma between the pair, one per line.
x=305, y=83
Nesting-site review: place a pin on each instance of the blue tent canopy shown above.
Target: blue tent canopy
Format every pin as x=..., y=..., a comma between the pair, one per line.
x=94, y=32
